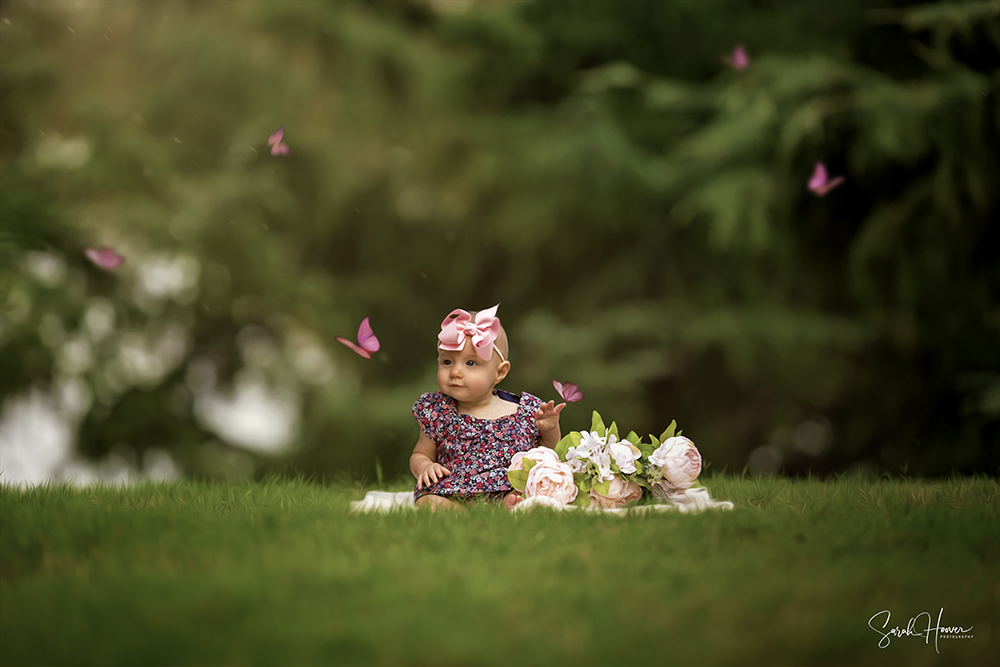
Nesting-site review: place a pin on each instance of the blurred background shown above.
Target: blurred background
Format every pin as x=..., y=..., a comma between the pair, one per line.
x=637, y=205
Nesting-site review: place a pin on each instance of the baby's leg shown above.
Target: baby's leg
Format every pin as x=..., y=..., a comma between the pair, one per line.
x=435, y=503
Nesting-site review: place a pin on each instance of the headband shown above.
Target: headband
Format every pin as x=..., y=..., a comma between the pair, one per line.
x=484, y=332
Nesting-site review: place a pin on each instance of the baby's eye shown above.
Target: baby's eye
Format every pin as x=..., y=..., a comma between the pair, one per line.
x=446, y=362
x=470, y=363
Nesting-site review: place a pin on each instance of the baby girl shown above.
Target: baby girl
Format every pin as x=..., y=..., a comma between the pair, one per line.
x=469, y=430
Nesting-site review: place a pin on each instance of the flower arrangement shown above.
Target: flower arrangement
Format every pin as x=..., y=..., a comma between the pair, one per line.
x=596, y=469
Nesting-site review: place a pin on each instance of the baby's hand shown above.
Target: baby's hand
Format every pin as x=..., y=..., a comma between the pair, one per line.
x=547, y=416
x=431, y=475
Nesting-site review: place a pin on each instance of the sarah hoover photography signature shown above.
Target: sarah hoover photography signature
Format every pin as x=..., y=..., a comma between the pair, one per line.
x=919, y=626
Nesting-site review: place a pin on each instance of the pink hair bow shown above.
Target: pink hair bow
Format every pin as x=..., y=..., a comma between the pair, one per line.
x=484, y=332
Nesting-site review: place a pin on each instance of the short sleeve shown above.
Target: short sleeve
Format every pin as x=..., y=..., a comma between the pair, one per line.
x=530, y=402
x=427, y=412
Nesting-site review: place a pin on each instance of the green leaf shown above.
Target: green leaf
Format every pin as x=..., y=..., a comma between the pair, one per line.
x=653, y=440
x=528, y=465
x=567, y=441
x=613, y=430
x=572, y=439
x=582, y=481
x=582, y=499
x=669, y=433
x=597, y=424
x=518, y=479
x=634, y=438
x=603, y=487
x=647, y=449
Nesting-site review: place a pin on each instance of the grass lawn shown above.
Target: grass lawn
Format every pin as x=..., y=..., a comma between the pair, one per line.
x=279, y=572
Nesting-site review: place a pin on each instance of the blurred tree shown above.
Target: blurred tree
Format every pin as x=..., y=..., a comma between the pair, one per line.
x=639, y=210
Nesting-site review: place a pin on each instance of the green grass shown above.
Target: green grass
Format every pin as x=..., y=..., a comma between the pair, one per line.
x=279, y=572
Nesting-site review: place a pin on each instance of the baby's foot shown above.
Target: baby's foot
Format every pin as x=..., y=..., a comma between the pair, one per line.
x=511, y=499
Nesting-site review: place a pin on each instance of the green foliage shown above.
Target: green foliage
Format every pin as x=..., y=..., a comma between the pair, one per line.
x=518, y=479
x=647, y=448
x=571, y=439
x=669, y=432
x=597, y=425
x=582, y=499
x=639, y=211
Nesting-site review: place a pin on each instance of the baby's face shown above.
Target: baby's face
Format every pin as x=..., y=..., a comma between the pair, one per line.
x=464, y=376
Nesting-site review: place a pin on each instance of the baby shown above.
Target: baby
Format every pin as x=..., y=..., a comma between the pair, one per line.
x=469, y=430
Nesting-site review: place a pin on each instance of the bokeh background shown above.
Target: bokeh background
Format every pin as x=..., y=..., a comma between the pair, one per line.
x=638, y=209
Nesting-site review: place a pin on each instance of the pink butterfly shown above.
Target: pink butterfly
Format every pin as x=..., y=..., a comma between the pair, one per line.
x=819, y=183
x=103, y=257
x=274, y=141
x=569, y=392
x=367, y=342
x=739, y=59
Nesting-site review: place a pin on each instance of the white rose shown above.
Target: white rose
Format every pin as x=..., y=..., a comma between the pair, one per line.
x=625, y=455
x=678, y=462
x=620, y=493
x=553, y=480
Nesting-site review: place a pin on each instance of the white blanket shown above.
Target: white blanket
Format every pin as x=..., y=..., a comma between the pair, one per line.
x=691, y=500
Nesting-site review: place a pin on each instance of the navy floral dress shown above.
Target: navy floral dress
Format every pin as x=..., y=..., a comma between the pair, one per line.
x=476, y=451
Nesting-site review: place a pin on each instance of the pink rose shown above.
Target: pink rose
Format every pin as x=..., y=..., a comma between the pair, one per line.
x=621, y=492
x=678, y=462
x=538, y=455
x=553, y=479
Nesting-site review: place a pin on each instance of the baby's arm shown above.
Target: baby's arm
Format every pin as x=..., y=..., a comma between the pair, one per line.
x=547, y=421
x=423, y=462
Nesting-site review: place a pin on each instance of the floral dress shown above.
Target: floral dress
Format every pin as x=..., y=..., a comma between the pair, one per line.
x=476, y=451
